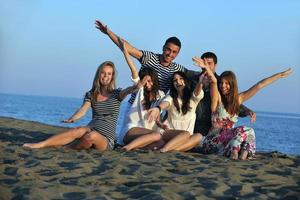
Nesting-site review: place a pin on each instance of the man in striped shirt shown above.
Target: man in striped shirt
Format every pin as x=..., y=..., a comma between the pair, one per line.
x=162, y=63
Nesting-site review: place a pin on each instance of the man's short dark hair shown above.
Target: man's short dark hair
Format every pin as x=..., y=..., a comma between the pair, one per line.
x=173, y=40
x=210, y=55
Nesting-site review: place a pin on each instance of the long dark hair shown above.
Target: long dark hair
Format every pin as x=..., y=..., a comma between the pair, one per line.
x=187, y=94
x=155, y=88
x=230, y=101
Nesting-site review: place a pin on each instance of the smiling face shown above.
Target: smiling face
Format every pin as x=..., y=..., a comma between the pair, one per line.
x=178, y=82
x=224, y=86
x=149, y=83
x=170, y=51
x=106, y=75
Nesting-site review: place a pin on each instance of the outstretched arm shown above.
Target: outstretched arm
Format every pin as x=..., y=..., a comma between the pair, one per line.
x=134, y=88
x=79, y=113
x=244, y=96
x=214, y=93
x=104, y=29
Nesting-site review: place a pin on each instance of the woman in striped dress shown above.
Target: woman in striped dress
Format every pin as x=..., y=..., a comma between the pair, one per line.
x=105, y=101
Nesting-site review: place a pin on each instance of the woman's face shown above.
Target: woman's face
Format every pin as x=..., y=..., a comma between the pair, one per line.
x=224, y=86
x=178, y=82
x=149, y=83
x=106, y=75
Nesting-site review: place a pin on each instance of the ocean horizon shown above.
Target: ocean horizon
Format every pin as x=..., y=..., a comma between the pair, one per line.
x=275, y=131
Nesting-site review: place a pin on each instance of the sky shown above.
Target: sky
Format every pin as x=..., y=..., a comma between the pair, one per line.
x=52, y=48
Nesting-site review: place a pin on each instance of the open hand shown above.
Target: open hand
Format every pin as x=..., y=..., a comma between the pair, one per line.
x=200, y=62
x=252, y=117
x=102, y=27
x=285, y=73
x=153, y=114
x=162, y=125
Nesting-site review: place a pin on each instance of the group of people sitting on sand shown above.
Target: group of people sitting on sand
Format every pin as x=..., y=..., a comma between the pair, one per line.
x=171, y=108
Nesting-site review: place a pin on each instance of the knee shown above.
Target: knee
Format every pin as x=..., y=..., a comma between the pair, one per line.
x=85, y=142
x=156, y=136
x=185, y=134
x=251, y=130
x=198, y=136
x=80, y=131
x=90, y=137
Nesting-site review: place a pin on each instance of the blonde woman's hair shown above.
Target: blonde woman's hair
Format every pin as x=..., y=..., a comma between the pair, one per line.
x=96, y=88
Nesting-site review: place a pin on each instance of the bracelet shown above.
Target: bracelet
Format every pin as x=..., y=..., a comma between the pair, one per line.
x=158, y=108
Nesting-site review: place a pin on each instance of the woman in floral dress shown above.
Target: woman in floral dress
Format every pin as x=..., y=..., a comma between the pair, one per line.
x=223, y=138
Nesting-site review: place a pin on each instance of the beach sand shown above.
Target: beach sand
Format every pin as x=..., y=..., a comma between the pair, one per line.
x=63, y=173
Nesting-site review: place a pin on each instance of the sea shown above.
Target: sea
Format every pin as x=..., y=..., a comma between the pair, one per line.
x=274, y=131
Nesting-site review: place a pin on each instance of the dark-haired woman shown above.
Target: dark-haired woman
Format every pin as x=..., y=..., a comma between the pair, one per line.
x=223, y=138
x=177, y=130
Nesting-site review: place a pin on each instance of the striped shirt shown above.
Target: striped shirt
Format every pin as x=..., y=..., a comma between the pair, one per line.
x=151, y=60
x=105, y=115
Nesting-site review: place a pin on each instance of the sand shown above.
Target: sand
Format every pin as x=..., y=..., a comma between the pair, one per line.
x=63, y=173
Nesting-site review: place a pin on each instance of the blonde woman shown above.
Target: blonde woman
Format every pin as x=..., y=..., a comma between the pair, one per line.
x=105, y=101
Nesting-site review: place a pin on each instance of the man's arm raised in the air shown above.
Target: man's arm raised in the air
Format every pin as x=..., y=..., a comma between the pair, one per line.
x=136, y=53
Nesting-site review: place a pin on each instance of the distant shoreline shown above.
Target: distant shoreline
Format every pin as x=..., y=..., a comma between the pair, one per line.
x=81, y=96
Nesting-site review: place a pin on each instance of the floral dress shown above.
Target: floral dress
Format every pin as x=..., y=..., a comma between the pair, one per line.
x=223, y=137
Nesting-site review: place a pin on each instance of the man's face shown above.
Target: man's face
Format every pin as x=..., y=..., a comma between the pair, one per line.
x=211, y=64
x=170, y=51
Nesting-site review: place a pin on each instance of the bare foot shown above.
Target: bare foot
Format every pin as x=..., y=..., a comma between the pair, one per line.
x=125, y=148
x=243, y=155
x=234, y=155
x=163, y=150
x=33, y=145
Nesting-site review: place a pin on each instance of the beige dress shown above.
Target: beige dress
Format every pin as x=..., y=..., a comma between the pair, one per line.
x=176, y=120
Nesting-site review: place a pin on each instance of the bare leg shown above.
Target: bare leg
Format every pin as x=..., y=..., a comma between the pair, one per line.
x=193, y=141
x=99, y=141
x=61, y=138
x=83, y=144
x=143, y=141
x=134, y=133
x=234, y=155
x=155, y=145
x=243, y=155
x=174, y=139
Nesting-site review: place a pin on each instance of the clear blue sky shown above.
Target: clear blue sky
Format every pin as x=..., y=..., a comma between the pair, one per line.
x=52, y=47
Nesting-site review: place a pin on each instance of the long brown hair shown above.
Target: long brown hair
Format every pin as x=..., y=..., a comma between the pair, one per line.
x=154, y=91
x=96, y=88
x=231, y=100
x=187, y=94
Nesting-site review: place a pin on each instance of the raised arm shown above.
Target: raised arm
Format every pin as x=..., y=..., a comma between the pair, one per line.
x=115, y=38
x=244, y=96
x=214, y=93
x=199, y=85
x=134, y=72
x=79, y=113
